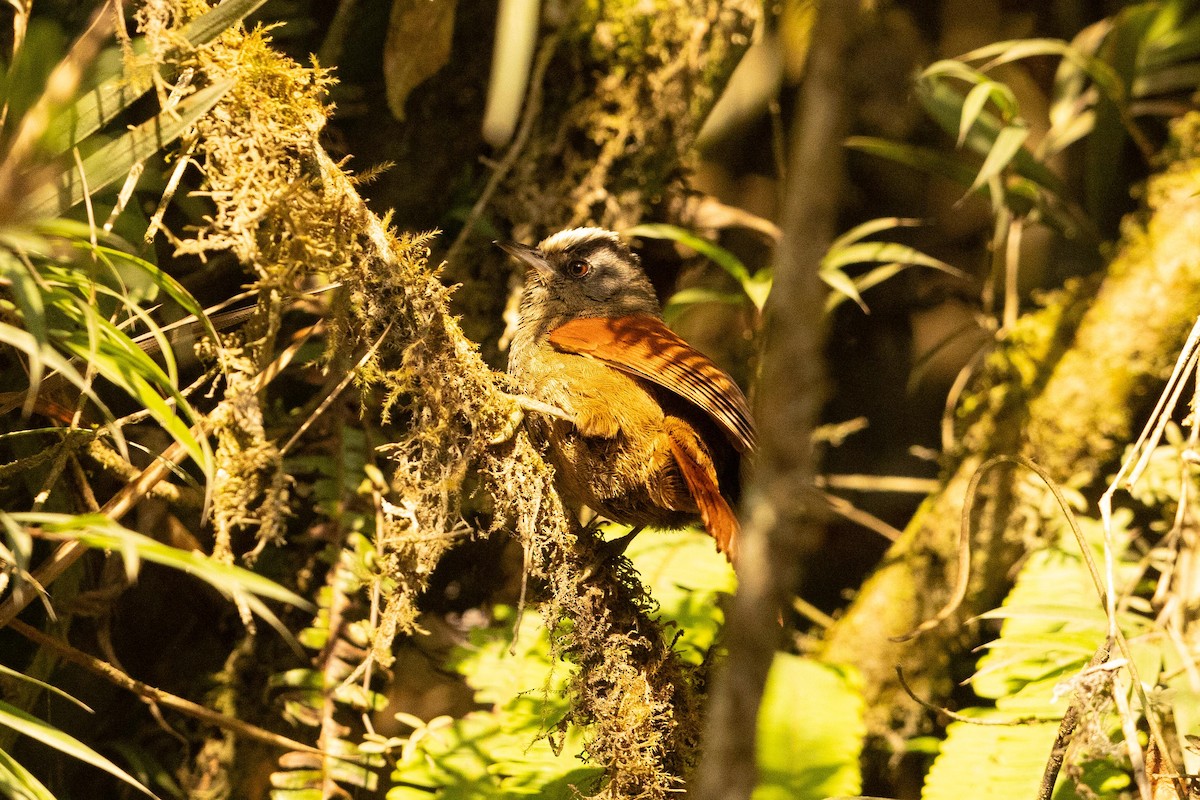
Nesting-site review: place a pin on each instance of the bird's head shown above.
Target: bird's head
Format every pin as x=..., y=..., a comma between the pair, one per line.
x=577, y=273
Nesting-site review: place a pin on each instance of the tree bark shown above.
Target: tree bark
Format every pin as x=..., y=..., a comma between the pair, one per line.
x=781, y=518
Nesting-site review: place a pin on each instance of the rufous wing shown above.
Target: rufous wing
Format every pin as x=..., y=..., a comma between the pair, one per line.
x=701, y=480
x=644, y=346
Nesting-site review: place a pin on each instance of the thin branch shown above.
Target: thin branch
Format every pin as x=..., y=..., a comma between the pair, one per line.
x=782, y=511
x=1000, y=723
x=153, y=695
x=1067, y=727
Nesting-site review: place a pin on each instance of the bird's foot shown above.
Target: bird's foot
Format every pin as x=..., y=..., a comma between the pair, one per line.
x=525, y=404
x=609, y=550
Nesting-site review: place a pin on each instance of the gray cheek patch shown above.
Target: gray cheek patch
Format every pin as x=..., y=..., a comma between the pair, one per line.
x=604, y=281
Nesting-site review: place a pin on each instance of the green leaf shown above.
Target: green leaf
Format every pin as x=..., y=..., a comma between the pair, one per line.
x=502, y=752
x=846, y=252
x=685, y=298
x=879, y=252
x=1008, y=143
x=990, y=762
x=16, y=719
x=758, y=287
x=841, y=283
x=977, y=99
x=209, y=26
x=1166, y=80
x=116, y=158
x=163, y=280
x=700, y=294
x=870, y=227
x=1101, y=73
x=28, y=296
x=19, y=783
x=120, y=361
x=101, y=532
x=97, y=108
x=953, y=68
x=865, y=282
x=1170, y=39
x=116, y=93
x=719, y=255
x=26, y=343
x=687, y=578
x=924, y=159
x=945, y=104
x=20, y=676
x=804, y=755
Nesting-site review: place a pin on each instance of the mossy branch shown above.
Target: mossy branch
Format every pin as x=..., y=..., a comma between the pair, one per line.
x=306, y=219
x=1095, y=362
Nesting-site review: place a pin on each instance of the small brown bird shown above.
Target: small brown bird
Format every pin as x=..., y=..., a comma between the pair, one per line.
x=656, y=429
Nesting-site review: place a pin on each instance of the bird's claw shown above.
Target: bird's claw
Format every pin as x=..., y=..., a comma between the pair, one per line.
x=608, y=551
x=523, y=404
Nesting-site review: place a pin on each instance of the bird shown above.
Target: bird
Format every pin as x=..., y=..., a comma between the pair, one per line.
x=653, y=431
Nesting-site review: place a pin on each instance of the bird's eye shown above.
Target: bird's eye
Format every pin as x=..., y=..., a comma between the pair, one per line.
x=578, y=268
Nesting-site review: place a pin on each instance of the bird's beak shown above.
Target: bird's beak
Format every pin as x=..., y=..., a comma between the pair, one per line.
x=531, y=257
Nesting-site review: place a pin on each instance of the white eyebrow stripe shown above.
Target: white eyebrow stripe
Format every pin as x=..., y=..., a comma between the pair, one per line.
x=564, y=240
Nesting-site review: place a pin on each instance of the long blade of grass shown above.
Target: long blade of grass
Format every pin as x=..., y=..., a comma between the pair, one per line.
x=16, y=719
x=18, y=782
x=719, y=255
x=115, y=159
x=100, y=531
x=29, y=302
x=116, y=93
x=49, y=687
x=26, y=343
